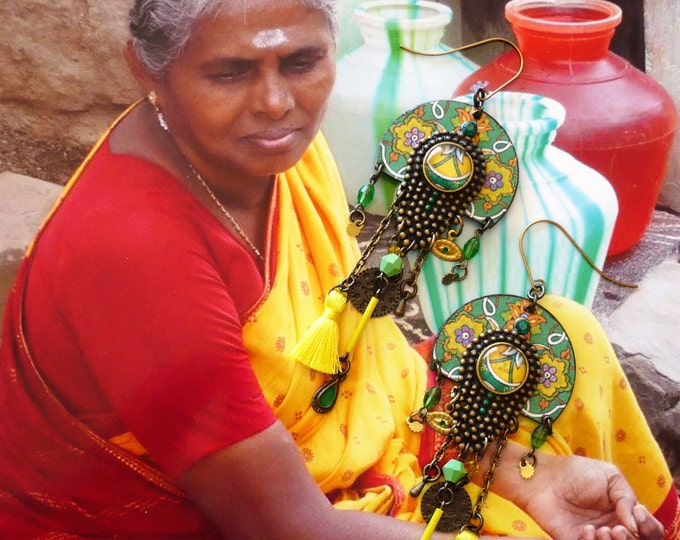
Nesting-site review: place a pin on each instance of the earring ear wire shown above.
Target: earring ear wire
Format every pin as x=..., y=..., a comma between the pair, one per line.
x=483, y=96
x=538, y=285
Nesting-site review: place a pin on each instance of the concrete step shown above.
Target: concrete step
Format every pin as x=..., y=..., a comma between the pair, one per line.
x=24, y=203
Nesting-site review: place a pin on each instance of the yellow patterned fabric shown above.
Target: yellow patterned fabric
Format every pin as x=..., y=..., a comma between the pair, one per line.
x=365, y=432
x=362, y=453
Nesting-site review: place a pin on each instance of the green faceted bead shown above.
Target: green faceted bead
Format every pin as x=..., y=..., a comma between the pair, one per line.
x=391, y=265
x=471, y=248
x=366, y=194
x=539, y=436
x=432, y=397
x=454, y=470
x=469, y=128
x=327, y=397
x=522, y=326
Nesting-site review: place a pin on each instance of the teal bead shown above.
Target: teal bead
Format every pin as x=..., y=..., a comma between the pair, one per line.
x=539, y=436
x=391, y=265
x=523, y=327
x=471, y=248
x=366, y=194
x=432, y=397
x=454, y=470
x=469, y=128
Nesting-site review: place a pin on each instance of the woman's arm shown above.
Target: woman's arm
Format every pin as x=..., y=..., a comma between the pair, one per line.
x=260, y=488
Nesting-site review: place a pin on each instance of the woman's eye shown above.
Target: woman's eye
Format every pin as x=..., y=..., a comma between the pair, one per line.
x=301, y=64
x=233, y=73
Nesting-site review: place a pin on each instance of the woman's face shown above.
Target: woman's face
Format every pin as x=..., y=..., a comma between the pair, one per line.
x=248, y=94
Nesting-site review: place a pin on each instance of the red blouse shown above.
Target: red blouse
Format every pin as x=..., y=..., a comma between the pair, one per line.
x=134, y=309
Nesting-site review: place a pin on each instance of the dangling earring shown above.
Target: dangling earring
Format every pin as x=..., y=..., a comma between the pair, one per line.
x=501, y=356
x=445, y=155
x=153, y=99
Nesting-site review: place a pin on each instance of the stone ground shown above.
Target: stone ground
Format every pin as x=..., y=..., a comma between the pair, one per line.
x=46, y=159
x=642, y=323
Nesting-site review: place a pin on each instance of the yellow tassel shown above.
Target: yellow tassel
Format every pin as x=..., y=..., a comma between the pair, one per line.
x=432, y=525
x=318, y=347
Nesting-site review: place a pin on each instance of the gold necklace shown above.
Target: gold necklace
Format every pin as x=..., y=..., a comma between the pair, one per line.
x=211, y=193
x=226, y=213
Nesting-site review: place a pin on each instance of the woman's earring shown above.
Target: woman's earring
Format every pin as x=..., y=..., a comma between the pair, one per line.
x=451, y=160
x=153, y=99
x=496, y=357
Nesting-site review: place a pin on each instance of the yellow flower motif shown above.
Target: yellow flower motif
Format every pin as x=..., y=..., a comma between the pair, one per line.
x=460, y=333
x=498, y=181
x=408, y=135
x=552, y=375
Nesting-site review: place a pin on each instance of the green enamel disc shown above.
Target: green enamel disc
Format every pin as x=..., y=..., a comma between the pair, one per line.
x=501, y=365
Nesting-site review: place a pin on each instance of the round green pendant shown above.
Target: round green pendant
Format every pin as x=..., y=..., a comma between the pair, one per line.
x=448, y=167
x=502, y=368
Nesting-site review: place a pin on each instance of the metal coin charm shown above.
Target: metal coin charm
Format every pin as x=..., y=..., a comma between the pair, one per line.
x=366, y=285
x=455, y=503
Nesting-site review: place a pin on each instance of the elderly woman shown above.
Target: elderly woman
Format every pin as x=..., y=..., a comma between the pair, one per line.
x=146, y=380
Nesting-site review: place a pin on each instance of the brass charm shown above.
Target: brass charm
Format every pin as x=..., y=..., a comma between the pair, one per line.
x=447, y=250
x=455, y=503
x=527, y=465
x=440, y=422
x=416, y=426
x=365, y=287
x=354, y=228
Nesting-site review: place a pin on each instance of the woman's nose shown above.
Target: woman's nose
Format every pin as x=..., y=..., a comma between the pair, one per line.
x=274, y=97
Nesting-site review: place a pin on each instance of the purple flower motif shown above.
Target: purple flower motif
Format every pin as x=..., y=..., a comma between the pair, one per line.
x=477, y=85
x=413, y=137
x=494, y=181
x=548, y=375
x=465, y=335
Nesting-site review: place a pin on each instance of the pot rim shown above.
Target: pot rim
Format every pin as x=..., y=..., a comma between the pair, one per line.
x=606, y=16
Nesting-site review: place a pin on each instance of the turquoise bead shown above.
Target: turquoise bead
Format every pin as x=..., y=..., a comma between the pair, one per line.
x=391, y=265
x=469, y=128
x=454, y=470
x=522, y=326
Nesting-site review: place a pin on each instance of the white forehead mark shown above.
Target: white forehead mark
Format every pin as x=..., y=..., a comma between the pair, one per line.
x=266, y=39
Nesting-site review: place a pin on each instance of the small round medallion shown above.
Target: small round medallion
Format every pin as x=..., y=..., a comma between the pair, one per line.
x=448, y=167
x=502, y=368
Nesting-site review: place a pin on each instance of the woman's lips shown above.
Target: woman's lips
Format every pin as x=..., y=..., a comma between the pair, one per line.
x=274, y=141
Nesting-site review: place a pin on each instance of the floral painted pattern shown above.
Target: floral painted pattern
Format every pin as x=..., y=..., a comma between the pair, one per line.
x=414, y=126
x=407, y=135
x=556, y=367
x=459, y=334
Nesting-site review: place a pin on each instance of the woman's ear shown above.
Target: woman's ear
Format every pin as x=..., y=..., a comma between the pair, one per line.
x=145, y=81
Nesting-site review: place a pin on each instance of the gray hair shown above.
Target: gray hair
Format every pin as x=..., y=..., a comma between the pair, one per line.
x=160, y=29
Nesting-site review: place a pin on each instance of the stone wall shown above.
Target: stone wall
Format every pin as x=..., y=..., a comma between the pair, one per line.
x=62, y=73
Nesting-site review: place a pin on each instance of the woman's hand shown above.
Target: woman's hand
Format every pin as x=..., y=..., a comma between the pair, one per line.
x=572, y=496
